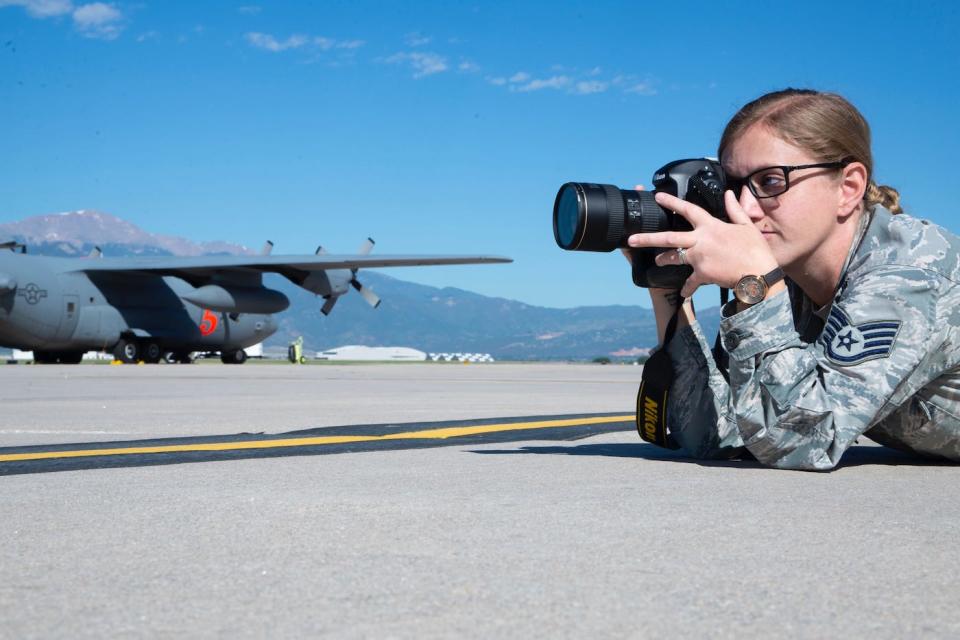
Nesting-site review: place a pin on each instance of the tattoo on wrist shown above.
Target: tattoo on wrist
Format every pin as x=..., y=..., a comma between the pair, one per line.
x=673, y=297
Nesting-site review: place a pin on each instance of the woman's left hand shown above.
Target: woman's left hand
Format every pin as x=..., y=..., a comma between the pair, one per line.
x=720, y=252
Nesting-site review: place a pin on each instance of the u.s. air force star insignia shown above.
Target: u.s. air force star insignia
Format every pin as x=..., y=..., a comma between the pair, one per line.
x=847, y=344
x=32, y=293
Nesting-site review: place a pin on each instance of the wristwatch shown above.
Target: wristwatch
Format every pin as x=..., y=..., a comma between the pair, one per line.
x=753, y=289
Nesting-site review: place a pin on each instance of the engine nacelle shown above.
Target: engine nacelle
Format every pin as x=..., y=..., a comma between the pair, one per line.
x=230, y=299
x=333, y=282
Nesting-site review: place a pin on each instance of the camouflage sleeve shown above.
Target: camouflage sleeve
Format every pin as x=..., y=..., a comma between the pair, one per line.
x=698, y=406
x=799, y=405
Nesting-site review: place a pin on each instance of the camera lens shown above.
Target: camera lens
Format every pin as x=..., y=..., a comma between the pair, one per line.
x=599, y=217
x=567, y=220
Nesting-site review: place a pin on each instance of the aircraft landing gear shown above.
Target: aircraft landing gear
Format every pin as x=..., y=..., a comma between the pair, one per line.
x=70, y=357
x=175, y=357
x=233, y=357
x=152, y=353
x=57, y=357
x=127, y=351
x=44, y=357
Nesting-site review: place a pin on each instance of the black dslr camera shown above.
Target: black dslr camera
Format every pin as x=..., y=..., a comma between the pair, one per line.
x=600, y=217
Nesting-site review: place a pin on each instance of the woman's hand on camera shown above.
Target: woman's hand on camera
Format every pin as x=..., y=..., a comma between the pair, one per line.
x=719, y=252
x=669, y=295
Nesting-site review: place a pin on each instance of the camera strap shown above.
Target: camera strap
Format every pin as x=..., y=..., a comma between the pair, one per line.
x=720, y=355
x=655, y=386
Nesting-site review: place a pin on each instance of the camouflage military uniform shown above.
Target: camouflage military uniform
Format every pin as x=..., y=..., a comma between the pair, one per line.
x=882, y=360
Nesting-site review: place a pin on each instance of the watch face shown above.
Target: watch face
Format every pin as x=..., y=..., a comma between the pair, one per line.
x=750, y=289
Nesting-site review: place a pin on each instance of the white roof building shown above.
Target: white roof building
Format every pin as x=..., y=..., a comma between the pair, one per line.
x=376, y=354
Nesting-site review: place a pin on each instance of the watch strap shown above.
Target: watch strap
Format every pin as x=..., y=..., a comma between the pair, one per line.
x=773, y=277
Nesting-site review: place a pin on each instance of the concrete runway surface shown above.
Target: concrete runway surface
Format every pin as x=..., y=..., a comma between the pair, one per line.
x=602, y=535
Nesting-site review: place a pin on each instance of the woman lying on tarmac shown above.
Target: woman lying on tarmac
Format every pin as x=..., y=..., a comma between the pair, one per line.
x=847, y=316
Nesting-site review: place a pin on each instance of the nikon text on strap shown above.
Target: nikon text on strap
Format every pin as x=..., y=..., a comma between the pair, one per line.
x=654, y=390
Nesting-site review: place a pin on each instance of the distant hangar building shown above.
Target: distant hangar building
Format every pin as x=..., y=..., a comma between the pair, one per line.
x=376, y=354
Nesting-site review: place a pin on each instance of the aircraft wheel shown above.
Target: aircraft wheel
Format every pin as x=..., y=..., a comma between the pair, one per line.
x=127, y=351
x=185, y=358
x=152, y=352
x=70, y=357
x=44, y=357
x=233, y=357
x=170, y=357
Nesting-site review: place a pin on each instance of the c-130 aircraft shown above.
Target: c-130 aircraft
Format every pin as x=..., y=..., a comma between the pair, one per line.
x=168, y=307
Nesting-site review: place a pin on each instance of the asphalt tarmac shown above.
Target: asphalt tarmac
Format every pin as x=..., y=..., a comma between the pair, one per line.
x=435, y=501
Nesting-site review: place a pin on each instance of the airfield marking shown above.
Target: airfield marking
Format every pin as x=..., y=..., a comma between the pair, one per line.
x=431, y=434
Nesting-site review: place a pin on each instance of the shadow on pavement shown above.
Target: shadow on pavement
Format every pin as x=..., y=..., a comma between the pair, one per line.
x=854, y=457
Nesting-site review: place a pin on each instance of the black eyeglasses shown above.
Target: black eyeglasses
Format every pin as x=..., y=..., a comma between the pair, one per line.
x=770, y=182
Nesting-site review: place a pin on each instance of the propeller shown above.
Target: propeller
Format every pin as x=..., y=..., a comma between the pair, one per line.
x=372, y=299
x=329, y=304
x=366, y=247
x=368, y=295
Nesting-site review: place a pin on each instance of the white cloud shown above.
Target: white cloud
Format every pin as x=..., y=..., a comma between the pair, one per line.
x=574, y=82
x=468, y=66
x=349, y=44
x=41, y=8
x=423, y=64
x=553, y=82
x=417, y=39
x=585, y=87
x=268, y=42
x=643, y=88
x=98, y=20
x=329, y=43
x=632, y=84
x=93, y=20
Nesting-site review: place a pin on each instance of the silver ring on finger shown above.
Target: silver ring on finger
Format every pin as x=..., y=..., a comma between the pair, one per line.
x=682, y=256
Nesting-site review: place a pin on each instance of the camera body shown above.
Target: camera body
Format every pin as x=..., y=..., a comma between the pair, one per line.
x=598, y=217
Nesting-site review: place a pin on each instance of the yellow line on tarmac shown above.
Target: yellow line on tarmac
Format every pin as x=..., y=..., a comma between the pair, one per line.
x=446, y=432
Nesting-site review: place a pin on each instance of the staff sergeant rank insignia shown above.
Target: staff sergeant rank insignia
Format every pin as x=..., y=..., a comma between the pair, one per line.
x=848, y=344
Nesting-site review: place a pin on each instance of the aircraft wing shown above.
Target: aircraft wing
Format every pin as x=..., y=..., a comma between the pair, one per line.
x=235, y=283
x=294, y=267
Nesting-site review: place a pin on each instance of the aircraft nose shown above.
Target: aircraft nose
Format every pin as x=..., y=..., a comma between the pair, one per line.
x=7, y=282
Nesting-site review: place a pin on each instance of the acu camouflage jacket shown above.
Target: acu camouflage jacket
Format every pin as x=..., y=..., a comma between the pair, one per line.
x=882, y=360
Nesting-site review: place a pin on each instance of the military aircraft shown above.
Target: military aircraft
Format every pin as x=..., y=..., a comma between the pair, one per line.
x=168, y=307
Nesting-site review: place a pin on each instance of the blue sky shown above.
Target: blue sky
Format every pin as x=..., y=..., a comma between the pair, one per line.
x=438, y=127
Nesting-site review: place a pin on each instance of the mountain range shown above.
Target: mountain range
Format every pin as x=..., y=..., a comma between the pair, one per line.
x=427, y=318
x=76, y=232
